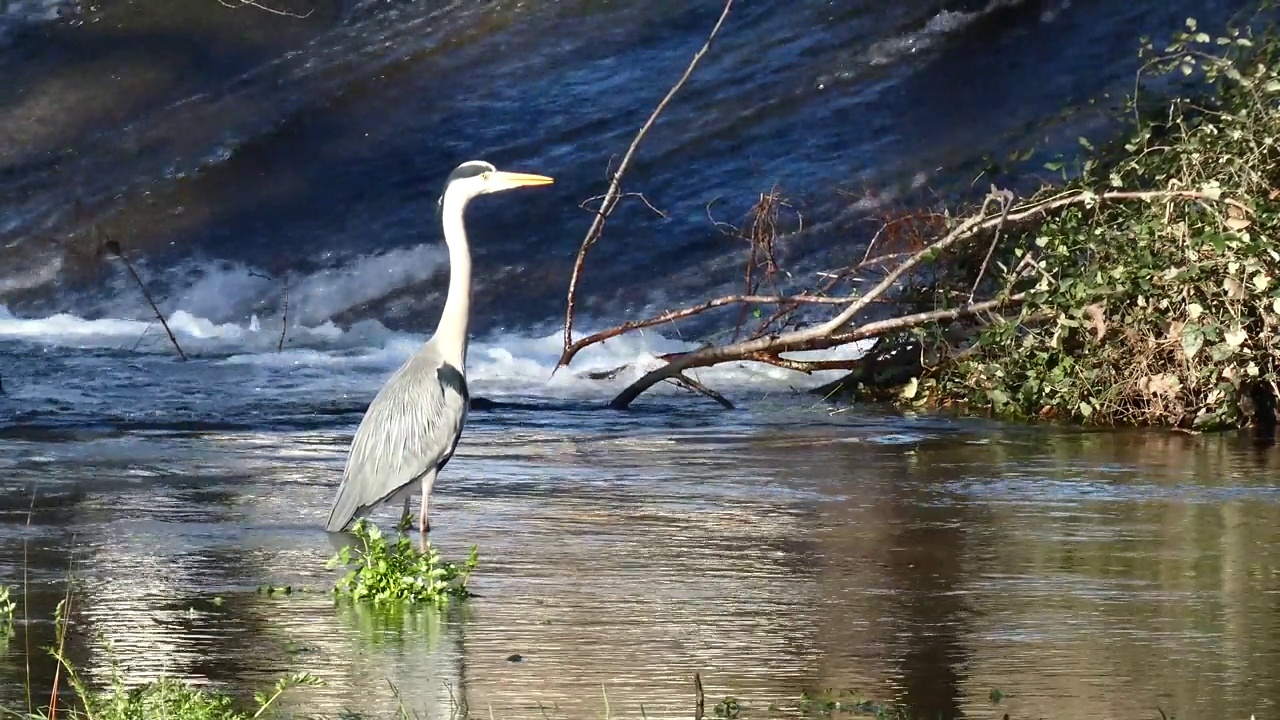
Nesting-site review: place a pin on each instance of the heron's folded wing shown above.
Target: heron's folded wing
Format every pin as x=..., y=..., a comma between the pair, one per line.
x=412, y=426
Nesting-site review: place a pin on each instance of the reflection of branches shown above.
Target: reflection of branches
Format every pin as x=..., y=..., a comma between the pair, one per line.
x=236, y=4
x=613, y=194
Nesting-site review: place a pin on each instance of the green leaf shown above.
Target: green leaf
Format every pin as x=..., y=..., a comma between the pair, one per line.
x=1192, y=340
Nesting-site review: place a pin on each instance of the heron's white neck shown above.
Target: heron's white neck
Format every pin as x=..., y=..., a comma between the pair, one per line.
x=451, y=334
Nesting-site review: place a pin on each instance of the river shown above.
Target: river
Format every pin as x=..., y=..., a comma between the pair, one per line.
x=780, y=548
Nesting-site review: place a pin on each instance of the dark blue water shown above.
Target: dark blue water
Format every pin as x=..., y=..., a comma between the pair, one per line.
x=284, y=145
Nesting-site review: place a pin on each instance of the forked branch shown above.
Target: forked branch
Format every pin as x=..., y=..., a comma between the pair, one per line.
x=835, y=332
x=613, y=194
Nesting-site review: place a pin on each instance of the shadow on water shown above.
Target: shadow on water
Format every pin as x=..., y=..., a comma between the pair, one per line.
x=916, y=560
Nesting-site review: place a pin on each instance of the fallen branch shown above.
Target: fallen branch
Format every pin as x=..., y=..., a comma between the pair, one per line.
x=673, y=315
x=114, y=248
x=717, y=355
x=831, y=333
x=612, y=195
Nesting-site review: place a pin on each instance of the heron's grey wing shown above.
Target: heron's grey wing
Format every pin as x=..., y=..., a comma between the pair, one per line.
x=411, y=427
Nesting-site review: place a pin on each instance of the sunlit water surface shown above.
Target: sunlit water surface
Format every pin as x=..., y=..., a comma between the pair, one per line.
x=774, y=551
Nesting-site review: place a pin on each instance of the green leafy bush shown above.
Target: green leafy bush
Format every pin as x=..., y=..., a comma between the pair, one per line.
x=394, y=571
x=1156, y=300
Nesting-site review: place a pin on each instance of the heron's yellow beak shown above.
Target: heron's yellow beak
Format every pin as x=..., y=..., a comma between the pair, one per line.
x=515, y=179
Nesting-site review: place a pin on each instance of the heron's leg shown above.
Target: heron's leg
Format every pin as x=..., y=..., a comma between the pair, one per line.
x=424, y=526
x=429, y=479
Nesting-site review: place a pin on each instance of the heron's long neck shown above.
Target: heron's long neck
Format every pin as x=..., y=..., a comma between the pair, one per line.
x=451, y=333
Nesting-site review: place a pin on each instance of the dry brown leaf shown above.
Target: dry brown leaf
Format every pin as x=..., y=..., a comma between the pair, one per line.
x=1234, y=288
x=1238, y=223
x=1165, y=385
x=1097, y=319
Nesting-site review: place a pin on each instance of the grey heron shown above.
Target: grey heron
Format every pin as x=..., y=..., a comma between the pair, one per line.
x=411, y=429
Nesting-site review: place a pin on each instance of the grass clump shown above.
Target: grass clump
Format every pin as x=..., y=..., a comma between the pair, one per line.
x=1155, y=299
x=167, y=698
x=163, y=698
x=393, y=571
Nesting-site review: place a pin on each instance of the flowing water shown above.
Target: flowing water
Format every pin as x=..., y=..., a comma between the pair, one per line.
x=775, y=549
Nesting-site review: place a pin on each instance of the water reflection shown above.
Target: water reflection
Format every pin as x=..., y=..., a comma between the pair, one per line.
x=918, y=560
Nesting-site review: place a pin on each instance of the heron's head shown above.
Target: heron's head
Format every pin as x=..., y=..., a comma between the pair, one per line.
x=477, y=177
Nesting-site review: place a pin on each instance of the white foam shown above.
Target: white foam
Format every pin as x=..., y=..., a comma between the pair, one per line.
x=228, y=313
x=359, y=358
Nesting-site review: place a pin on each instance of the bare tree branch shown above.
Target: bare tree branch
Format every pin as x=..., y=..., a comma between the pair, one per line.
x=611, y=196
x=831, y=333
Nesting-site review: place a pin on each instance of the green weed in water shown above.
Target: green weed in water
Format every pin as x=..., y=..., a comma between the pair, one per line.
x=829, y=703
x=394, y=571
x=163, y=698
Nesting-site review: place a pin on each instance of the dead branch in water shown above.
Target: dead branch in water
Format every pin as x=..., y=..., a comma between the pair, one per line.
x=996, y=216
x=113, y=247
x=613, y=194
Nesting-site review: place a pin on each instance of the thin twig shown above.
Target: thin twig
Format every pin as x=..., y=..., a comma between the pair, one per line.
x=284, y=317
x=251, y=3
x=114, y=248
x=640, y=195
x=1006, y=201
x=612, y=194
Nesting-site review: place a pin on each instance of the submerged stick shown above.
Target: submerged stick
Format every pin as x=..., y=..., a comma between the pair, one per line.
x=694, y=385
x=700, y=699
x=613, y=194
x=114, y=248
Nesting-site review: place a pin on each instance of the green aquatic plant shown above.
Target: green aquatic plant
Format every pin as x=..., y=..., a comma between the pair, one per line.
x=166, y=697
x=394, y=571
x=829, y=703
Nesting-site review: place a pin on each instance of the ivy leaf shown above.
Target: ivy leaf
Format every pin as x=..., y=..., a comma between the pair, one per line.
x=1192, y=340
